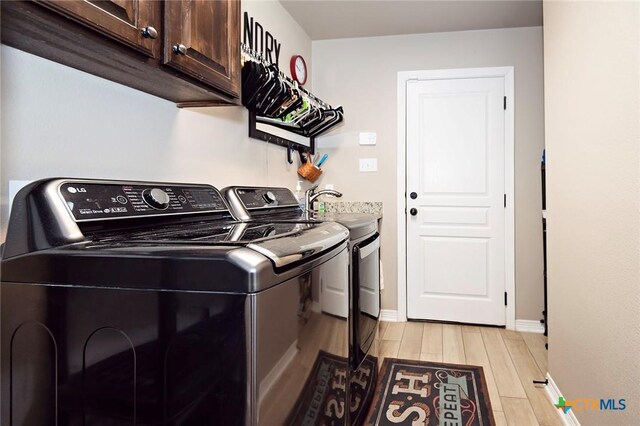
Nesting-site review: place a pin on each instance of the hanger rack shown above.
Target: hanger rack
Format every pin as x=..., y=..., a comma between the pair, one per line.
x=281, y=111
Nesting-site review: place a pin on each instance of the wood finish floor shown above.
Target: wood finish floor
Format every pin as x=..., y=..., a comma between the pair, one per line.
x=511, y=361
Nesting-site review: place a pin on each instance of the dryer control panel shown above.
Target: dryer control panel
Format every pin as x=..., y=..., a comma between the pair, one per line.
x=261, y=198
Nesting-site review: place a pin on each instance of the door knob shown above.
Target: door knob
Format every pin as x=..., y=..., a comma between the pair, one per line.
x=149, y=32
x=413, y=211
x=413, y=195
x=180, y=49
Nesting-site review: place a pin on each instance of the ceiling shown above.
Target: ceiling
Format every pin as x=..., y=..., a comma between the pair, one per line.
x=329, y=19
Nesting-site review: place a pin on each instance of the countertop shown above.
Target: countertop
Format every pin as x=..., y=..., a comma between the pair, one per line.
x=368, y=207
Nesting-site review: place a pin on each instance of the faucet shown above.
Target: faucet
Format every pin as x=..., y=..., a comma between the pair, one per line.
x=310, y=196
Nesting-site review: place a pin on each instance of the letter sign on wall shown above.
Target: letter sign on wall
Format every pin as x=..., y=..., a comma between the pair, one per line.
x=263, y=42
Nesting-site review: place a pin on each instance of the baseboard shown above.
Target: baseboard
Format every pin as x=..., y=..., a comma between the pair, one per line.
x=389, y=315
x=568, y=419
x=529, y=326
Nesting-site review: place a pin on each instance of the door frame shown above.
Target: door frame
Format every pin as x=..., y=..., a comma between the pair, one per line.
x=509, y=168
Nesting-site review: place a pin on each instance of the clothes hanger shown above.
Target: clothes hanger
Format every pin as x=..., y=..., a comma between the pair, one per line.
x=313, y=119
x=338, y=116
x=301, y=113
x=291, y=104
x=272, y=95
x=296, y=103
x=257, y=76
x=278, y=100
x=251, y=75
x=271, y=82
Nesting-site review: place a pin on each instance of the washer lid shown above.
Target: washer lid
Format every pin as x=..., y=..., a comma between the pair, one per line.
x=314, y=240
x=226, y=269
x=283, y=243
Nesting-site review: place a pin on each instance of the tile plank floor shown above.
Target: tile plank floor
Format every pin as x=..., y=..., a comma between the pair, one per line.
x=510, y=359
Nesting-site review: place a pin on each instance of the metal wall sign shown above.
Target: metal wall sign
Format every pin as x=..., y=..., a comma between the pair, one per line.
x=261, y=41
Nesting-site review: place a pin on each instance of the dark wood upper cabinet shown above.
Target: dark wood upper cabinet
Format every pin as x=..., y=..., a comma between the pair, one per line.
x=202, y=39
x=185, y=51
x=136, y=23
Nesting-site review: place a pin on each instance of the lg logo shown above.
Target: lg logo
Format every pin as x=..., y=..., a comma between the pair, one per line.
x=73, y=190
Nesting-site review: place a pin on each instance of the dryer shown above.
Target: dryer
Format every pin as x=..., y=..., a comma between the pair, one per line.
x=362, y=292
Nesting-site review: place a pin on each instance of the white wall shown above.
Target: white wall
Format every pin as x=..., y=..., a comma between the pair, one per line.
x=592, y=115
x=361, y=74
x=57, y=121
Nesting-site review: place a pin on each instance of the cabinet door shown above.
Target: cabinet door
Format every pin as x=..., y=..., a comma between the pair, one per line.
x=135, y=23
x=202, y=39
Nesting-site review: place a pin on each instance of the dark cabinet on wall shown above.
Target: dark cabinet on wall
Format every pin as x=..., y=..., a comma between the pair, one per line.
x=185, y=51
x=202, y=39
x=132, y=22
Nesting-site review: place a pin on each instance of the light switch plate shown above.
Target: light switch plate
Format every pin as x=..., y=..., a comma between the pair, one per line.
x=368, y=138
x=368, y=164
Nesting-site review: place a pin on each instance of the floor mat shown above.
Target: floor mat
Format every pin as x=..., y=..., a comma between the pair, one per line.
x=322, y=401
x=420, y=393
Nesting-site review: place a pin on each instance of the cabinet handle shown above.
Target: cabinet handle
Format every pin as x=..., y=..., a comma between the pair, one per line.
x=149, y=32
x=180, y=49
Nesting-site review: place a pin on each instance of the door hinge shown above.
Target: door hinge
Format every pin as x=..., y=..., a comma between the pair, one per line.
x=504, y=103
x=505, y=201
x=505, y=298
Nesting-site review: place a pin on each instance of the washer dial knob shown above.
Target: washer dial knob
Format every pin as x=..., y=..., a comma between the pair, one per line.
x=156, y=198
x=269, y=197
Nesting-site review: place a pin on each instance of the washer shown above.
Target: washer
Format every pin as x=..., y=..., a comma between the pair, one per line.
x=362, y=295
x=162, y=310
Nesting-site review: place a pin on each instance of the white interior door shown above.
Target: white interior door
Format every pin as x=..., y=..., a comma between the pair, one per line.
x=455, y=206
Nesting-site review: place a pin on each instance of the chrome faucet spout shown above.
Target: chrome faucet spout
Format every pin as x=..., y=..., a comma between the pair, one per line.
x=310, y=196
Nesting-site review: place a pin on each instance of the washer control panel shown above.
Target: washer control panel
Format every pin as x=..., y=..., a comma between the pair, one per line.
x=101, y=201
